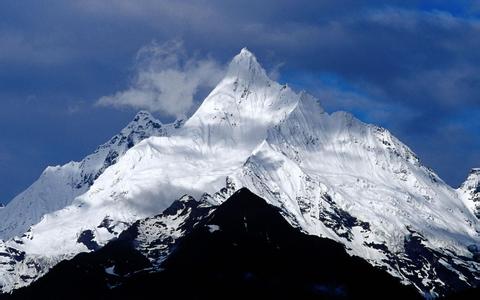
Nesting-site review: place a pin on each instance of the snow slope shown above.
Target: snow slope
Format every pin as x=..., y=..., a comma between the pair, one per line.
x=59, y=185
x=355, y=183
x=331, y=175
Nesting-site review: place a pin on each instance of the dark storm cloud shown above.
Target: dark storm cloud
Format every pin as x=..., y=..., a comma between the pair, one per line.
x=411, y=66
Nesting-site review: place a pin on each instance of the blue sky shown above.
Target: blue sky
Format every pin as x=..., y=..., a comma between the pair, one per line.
x=410, y=66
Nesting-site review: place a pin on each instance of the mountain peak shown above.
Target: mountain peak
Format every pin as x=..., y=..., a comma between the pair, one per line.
x=470, y=189
x=475, y=171
x=142, y=121
x=246, y=66
x=246, y=51
x=142, y=115
x=245, y=54
x=242, y=107
x=473, y=180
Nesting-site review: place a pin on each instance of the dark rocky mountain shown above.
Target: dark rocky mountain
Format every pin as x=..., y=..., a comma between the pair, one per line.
x=244, y=249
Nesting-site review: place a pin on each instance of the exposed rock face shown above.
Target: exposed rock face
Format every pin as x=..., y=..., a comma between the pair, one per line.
x=470, y=190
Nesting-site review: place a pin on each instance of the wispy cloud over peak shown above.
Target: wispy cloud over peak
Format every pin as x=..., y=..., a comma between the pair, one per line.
x=166, y=80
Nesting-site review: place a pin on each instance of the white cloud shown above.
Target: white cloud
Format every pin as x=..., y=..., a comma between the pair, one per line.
x=166, y=80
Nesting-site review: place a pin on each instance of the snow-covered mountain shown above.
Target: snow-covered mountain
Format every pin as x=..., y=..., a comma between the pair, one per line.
x=330, y=174
x=59, y=185
x=470, y=191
